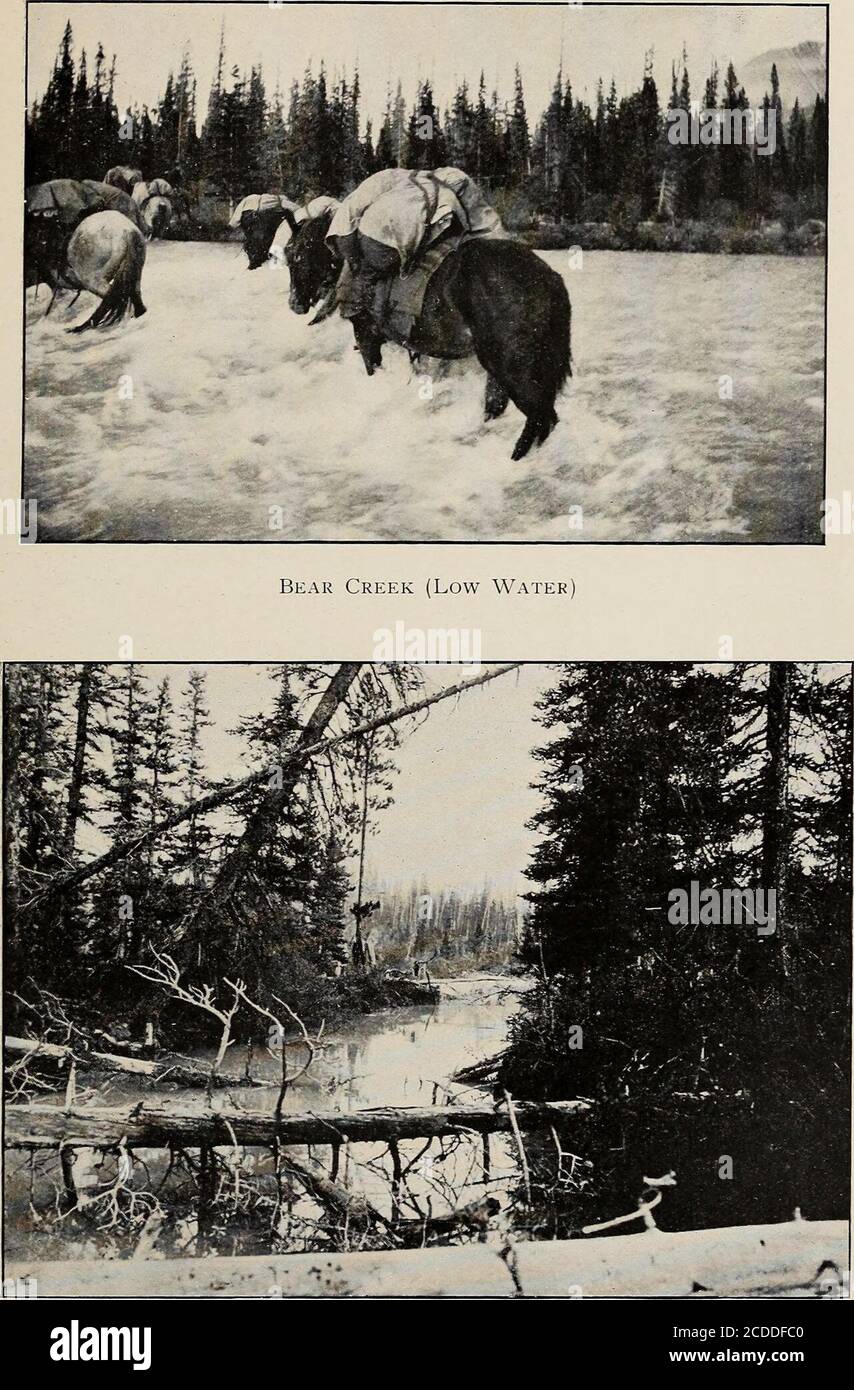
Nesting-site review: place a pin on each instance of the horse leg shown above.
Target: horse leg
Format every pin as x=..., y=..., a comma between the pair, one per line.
x=136, y=299
x=530, y=435
x=496, y=398
x=369, y=290
x=368, y=341
x=101, y=289
x=55, y=295
x=509, y=378
x=534, y=372
x=539, y=424
x=536, y=402
x=136, y=293
x=511, y=373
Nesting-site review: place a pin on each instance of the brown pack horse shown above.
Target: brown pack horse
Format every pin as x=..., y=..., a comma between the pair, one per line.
x=494, y=299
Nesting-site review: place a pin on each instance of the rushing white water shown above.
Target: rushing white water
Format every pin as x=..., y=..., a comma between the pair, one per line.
x=221, y=415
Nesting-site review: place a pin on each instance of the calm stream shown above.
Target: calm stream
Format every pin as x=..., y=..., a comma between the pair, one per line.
x=401, y=1057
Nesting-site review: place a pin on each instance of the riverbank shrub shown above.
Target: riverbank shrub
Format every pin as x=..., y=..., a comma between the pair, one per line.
x=689, y=236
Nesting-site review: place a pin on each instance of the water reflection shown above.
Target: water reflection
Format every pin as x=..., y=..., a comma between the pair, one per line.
x=401, y=1057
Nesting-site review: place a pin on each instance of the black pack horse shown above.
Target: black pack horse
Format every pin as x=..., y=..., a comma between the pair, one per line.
x=492, y=298
x=259, y=228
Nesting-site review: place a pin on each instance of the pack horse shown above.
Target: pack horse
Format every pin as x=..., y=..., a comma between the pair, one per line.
x=89, y=237
x=481, y=293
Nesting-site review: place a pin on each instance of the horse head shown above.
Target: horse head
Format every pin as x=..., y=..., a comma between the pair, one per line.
x=311, y=261
x=157, y=212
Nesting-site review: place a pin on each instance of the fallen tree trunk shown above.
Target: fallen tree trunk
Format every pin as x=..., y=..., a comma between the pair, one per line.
x=342, y=1205
x=412, y=991
x=134, y=1066
x=482, y=1073
x=728, y=1262
x=796, y=1257
x=151, y=1126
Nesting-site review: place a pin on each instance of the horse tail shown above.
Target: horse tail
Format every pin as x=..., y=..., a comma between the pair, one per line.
x=124, y=289
x=560, y=333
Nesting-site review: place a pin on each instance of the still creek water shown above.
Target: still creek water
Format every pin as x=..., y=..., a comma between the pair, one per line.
x=400, y=1057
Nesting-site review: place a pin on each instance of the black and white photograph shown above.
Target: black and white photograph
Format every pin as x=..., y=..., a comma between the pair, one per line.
x=427, y=272
x=384, y=981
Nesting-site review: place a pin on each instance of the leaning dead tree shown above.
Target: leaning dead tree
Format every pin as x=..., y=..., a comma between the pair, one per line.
x=281, y=778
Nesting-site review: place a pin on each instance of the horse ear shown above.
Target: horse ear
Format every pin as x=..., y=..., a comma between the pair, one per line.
x=291, y=220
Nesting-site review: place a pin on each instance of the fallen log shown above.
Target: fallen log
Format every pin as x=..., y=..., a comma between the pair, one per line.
x=482, y=1073
x=805, y=1258
x=464, y=1271
x=409, y=991
x=151, y=1126
x=793, y=1257
x=155, y=1072
x=343, y=1205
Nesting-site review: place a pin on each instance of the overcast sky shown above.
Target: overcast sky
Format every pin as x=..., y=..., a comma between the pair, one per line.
x=447, y=42
x=462, y=795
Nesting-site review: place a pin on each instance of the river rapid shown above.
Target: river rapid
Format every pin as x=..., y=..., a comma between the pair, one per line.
x=695, y=413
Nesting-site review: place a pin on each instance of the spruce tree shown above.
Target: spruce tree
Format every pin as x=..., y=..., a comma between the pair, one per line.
x=519, y=140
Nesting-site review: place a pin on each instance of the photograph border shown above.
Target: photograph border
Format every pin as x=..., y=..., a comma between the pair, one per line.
x=451, y=4
x=180, y=1299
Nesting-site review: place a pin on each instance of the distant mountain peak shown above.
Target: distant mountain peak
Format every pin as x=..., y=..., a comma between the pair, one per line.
x=802, y=70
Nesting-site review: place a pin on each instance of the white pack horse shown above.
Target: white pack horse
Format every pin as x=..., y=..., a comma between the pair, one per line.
x=154, y=202
x=124, y=177
x=105, y=256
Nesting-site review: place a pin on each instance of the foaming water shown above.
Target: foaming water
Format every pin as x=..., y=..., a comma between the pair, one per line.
x=695, y=414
